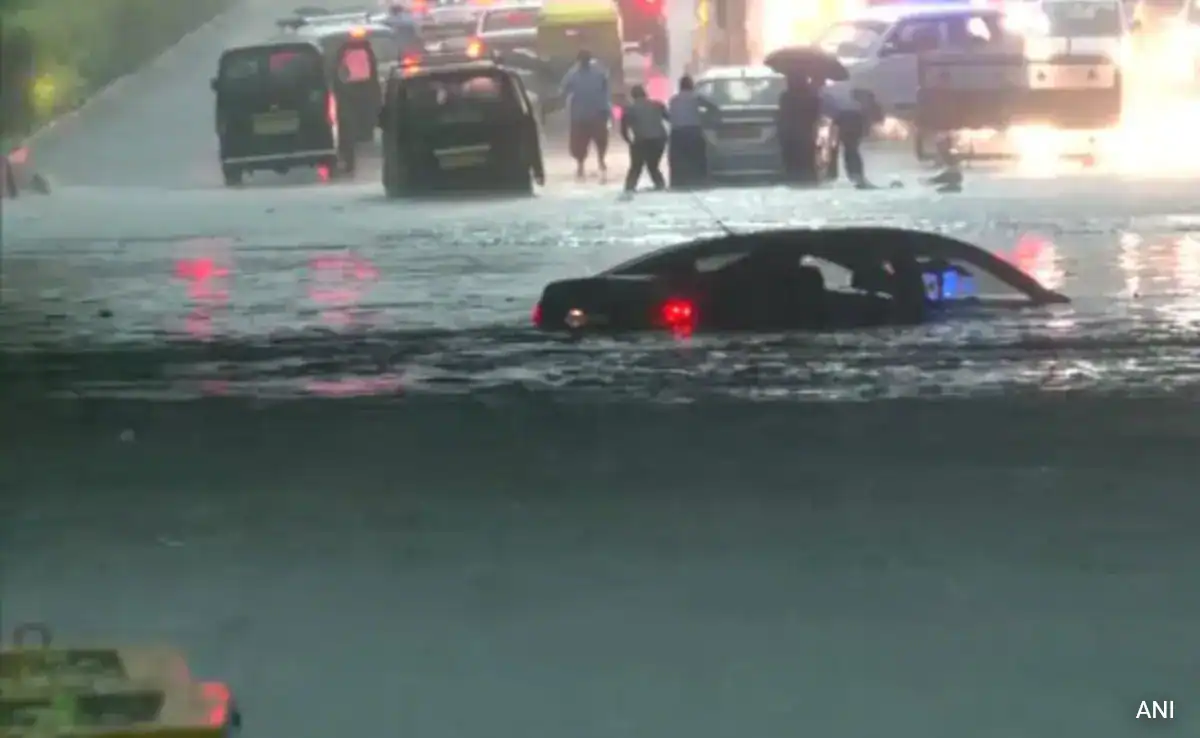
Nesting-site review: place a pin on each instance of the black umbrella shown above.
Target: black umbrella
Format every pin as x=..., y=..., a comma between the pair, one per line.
x=806, y=61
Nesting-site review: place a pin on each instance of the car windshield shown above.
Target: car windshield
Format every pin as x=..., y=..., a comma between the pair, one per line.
x=735, y=91
x=509, y=20
x=852, y=39
x=1084, y=18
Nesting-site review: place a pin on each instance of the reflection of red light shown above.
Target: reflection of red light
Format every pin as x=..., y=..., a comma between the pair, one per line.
x=204, y=279
x=339, y=282
x=537, y=314
x=207, y=285
x=356, y=386
x=218, y=698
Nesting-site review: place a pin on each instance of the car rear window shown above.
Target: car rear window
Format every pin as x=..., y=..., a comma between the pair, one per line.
x=509, y=20
x=281, y=65
x=465, y=98
x=763, y=91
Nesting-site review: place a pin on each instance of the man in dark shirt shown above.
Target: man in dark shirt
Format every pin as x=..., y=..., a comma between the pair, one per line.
x=796, y=125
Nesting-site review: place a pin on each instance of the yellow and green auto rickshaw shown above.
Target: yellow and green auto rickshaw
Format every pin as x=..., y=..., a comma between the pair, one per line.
x=567, y=27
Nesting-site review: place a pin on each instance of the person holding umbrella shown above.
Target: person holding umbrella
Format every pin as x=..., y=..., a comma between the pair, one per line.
x=806, y=69
x=796, y=124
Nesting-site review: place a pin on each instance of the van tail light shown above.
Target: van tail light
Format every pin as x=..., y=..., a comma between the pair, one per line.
x=678, y=314
x=537, y=315
x=331, y=109
x=475, y=48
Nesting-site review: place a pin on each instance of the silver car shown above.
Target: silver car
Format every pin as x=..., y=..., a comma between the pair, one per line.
x=740, y=128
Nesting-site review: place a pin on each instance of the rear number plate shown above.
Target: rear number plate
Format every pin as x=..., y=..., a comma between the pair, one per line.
x=741, y=132
x=276, y=123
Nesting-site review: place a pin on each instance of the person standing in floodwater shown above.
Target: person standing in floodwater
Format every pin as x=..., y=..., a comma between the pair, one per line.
x=644, y=128
x=589, y=106
x=687, y=152
x=796, y=124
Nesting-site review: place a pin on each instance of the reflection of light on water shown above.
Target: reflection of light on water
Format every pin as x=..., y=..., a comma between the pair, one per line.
x=1129, y=259
x=386, y=384
x=1186, y=309
x=1039, y=150
x=1037, y=256
x=338, y=283
x=205, y=272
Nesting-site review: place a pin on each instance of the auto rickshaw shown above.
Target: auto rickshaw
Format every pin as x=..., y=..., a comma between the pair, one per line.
x=569, y=26
x=104, y=692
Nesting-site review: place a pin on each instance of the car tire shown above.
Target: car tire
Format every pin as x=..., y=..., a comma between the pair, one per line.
x=392, y=185
x=233, y=176
x=522, y=185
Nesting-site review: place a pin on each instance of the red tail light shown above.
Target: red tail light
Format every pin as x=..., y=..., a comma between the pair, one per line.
x=475, y=48
x=537, y=315
x=331, y=109
x=410, y=60
x=678, y=314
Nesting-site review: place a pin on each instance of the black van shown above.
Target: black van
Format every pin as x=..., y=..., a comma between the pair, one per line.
x=354, y=52
x=277, y=107
x=459, y=127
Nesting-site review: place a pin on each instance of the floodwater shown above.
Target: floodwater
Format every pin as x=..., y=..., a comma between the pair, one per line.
x=308, y=436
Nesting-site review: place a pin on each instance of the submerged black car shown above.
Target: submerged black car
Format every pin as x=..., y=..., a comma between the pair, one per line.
x=461, y=126
x=783, y=280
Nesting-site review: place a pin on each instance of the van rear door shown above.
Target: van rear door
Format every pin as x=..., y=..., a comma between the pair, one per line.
x=273, y=102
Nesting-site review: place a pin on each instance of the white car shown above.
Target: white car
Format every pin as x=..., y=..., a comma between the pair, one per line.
x=880, y=48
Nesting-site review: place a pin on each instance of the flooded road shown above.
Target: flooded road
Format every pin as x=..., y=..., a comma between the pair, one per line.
x=308, y=435
x=265, y=290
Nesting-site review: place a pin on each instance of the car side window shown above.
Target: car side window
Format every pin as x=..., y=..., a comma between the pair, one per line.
x=969, y=32
x=915, y=36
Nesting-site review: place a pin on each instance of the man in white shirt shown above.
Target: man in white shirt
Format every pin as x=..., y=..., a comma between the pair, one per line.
x=687, y=153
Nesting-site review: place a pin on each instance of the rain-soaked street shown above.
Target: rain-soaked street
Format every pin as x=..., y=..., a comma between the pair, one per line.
x=307, y=434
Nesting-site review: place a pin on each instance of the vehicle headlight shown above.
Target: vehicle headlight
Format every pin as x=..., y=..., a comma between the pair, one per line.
x=1039, y=48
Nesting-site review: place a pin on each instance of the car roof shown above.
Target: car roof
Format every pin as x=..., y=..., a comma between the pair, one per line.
x=738, y=72
x=324, y=30
x=500, y=7
x=288, y=40
x=895, y=13
x=845, y=246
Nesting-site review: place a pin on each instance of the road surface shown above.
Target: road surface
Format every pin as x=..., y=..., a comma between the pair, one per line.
x=506, y=537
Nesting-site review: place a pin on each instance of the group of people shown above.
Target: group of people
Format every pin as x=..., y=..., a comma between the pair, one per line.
x=652, y=129
x=649, y=128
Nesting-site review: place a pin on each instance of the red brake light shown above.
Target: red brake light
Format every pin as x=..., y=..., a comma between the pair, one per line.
x=678, y=314
x=218, y=698
x=410, y=60
x=537, y=314
x=475, y=48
